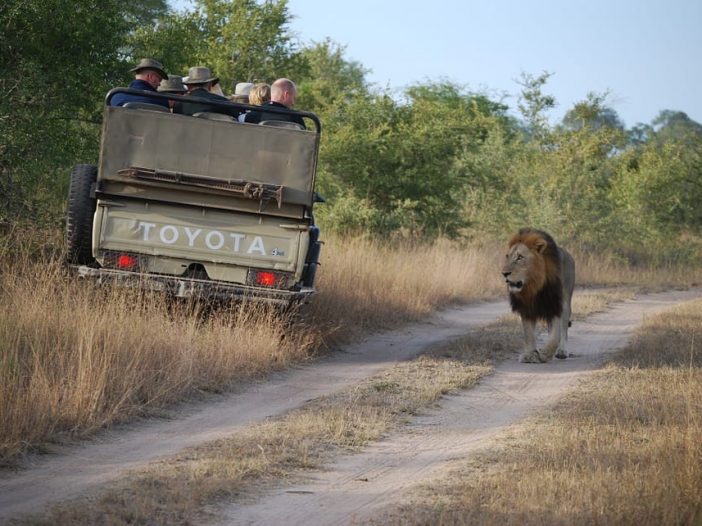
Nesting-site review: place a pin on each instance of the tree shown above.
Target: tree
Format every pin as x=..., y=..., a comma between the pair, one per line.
x=239, y=40
x=329, y=79
x=592, y=113
x=672, y=125
x=534, y=103
x=246, y=40
x=54, y=71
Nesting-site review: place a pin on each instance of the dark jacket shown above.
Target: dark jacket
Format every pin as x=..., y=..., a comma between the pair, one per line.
x=254, y=117
x=120, y=99
x=191, y=108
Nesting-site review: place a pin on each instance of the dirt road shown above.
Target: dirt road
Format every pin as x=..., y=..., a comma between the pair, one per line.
x=356, y=487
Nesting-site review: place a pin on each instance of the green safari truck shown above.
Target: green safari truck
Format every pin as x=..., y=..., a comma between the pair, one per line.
x=198, y=205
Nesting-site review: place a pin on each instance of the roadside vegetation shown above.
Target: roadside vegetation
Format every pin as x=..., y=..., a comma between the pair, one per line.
x=624, y=448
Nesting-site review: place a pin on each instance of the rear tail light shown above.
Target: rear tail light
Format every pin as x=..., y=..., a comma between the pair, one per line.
x=268, y=279
x=265, y=279
x=122, y=260
x=127, y=262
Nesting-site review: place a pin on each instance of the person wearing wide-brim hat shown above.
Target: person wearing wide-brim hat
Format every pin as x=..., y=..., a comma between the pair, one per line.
x=173, y=84
x=199, y=83
x=241, y=92
x=148, y=74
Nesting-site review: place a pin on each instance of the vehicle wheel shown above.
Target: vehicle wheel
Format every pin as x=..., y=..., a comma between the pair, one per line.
x=79, y=217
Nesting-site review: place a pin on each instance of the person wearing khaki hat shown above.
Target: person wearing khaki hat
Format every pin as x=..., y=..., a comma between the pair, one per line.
x=148, y=74
x=173, y=84
x=241, y=92
x=199, y=83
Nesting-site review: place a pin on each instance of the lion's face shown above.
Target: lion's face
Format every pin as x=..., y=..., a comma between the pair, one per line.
x=524, y=268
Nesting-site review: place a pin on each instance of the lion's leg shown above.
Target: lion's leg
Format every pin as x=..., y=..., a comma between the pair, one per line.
x=530, y=354
x=561, y=352
x=554, y=339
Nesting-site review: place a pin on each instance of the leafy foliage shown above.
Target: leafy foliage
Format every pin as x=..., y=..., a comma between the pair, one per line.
x=54, y=70
x=436, y=160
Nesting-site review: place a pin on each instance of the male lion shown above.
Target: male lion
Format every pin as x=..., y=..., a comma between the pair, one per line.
x=540, y=278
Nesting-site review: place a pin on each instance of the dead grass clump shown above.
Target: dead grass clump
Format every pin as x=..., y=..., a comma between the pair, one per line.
x=75, y=358
x=625, y=448
x=367, y=285
x=597, y=269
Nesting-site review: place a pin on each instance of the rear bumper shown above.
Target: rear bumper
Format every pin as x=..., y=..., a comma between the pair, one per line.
x=190, y=287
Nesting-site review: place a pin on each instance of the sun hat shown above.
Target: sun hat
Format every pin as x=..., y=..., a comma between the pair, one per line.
x=243, y=88
x=149, y=63
x=173, y=84
x=199, y=75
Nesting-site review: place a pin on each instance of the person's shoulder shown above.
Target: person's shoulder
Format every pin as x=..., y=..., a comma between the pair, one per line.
x=141, y=84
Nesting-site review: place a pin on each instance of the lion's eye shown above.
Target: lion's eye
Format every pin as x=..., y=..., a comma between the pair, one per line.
x=519, y=257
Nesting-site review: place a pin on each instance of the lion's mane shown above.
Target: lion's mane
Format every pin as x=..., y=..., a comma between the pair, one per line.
x=542, y=295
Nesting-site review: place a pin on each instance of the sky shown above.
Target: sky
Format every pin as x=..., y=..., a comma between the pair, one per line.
x=644, y=53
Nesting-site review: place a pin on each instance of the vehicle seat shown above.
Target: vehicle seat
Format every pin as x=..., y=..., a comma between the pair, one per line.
x=134, y=105
x=282, y=124
x=214, y=116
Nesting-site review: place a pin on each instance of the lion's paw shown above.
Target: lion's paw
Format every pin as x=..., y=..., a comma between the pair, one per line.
x=532, y=356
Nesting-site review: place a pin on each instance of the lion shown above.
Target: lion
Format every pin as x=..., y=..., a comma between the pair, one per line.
x=540, y=278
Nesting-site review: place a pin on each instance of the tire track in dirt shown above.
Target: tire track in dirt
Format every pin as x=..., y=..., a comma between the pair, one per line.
x=357, y=488
x=78, y=470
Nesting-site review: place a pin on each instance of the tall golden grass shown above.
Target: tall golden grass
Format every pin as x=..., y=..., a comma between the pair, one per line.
x=368, y=284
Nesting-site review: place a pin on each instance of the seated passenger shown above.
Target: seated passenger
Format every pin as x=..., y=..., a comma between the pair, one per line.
x=148, y=74
x=173, y=84
x=258, y=94
x=199, y=83
x=283, y=95
x=217, y=88
x=241, y=92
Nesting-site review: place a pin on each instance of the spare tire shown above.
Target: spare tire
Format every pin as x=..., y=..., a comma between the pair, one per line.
x=79, y=217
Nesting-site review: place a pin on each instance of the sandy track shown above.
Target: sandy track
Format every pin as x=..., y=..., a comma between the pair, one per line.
x=78, y=470
x=357, y=488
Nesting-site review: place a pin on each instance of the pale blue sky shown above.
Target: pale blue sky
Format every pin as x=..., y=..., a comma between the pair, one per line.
x=645, y=52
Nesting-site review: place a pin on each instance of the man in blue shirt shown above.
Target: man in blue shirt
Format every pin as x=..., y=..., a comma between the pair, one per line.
x=148, y=74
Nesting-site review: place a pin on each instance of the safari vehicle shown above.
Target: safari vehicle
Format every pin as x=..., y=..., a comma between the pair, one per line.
x=198, y=205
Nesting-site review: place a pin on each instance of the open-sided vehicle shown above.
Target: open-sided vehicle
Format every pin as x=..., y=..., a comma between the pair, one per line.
x=198, y=205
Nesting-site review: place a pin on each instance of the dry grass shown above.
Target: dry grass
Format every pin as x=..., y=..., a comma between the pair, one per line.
x=369, y=285
x=74, y=359
x=625, y=448
x=596, y=270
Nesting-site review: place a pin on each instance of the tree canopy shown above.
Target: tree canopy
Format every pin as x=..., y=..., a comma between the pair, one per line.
x=435, y=159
